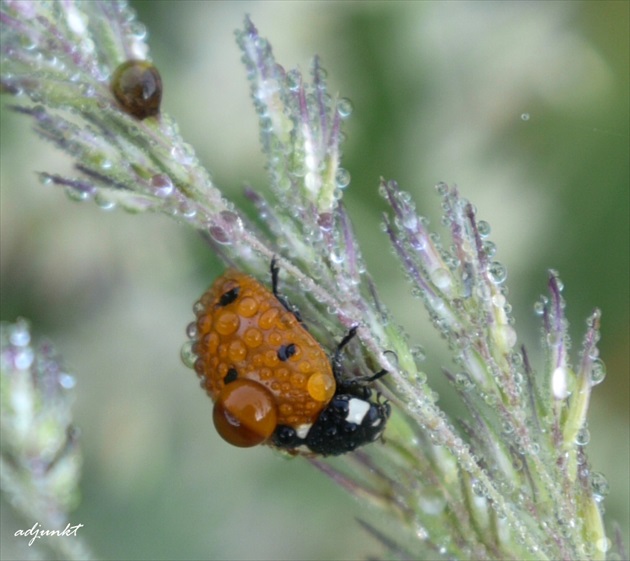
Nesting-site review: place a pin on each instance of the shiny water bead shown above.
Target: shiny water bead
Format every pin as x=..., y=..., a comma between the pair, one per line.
x=137, y=86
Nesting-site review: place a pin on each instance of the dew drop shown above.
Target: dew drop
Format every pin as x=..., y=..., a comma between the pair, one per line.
x=463, y=382
x=508, y=427
x=138, y=30
x=342, y=178
x=392, y=357
x=27, y=43
x=294, y=79
x=191, y=330
x=24, y=358
x=187, y=355
x=184, y=154
x=76, y=194
x=524, y=116
x=483, y=228
x=441, y=188
x=540, y=305
x=419, y=353
x=418, y=242
x=20, y=335
x=187, y=209
x=603, y=544
x=560, y=383
x=198, y=308
x=478, y=488
x=497, y=272
x=441, y=278
x=103, y=203
x=344, y=107
x=161, y=185
x=410, y=221
x=583, y=437
x=599, y=485
x=67, y=381
x=598, y=372
x=231, y=220
x=337, y=257
x=489, y=248
x=219, y=235
x=45, y=179
x=326, y=221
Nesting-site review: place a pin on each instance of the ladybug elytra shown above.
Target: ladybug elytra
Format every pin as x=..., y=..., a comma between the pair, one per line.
x=271, y=382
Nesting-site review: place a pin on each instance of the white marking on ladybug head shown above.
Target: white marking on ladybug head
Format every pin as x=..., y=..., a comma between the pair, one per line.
x=357, y=409
x=302, y=430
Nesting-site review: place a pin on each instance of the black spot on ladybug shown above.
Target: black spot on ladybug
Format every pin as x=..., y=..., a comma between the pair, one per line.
x=285, y=352
x=228, y=297
x=231, y=375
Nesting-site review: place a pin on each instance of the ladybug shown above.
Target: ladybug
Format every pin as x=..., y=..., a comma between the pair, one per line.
x=270, y=380
x=137, y=86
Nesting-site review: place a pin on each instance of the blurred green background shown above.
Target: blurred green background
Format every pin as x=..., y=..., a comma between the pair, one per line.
x=439, y=90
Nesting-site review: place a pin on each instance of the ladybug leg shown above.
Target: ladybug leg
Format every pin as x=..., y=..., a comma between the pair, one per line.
x=274, y=288
x=336, y=361
x=338, y=370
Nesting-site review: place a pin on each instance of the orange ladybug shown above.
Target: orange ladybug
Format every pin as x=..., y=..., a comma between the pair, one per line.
x=270, y=380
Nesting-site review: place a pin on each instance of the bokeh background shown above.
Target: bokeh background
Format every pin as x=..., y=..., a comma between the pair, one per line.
x=523, y=104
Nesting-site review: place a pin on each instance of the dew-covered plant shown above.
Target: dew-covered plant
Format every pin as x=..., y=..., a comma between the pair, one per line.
x=509, y=481
x=40, y=458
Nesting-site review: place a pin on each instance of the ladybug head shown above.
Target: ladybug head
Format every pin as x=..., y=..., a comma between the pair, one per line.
x=346, y=423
